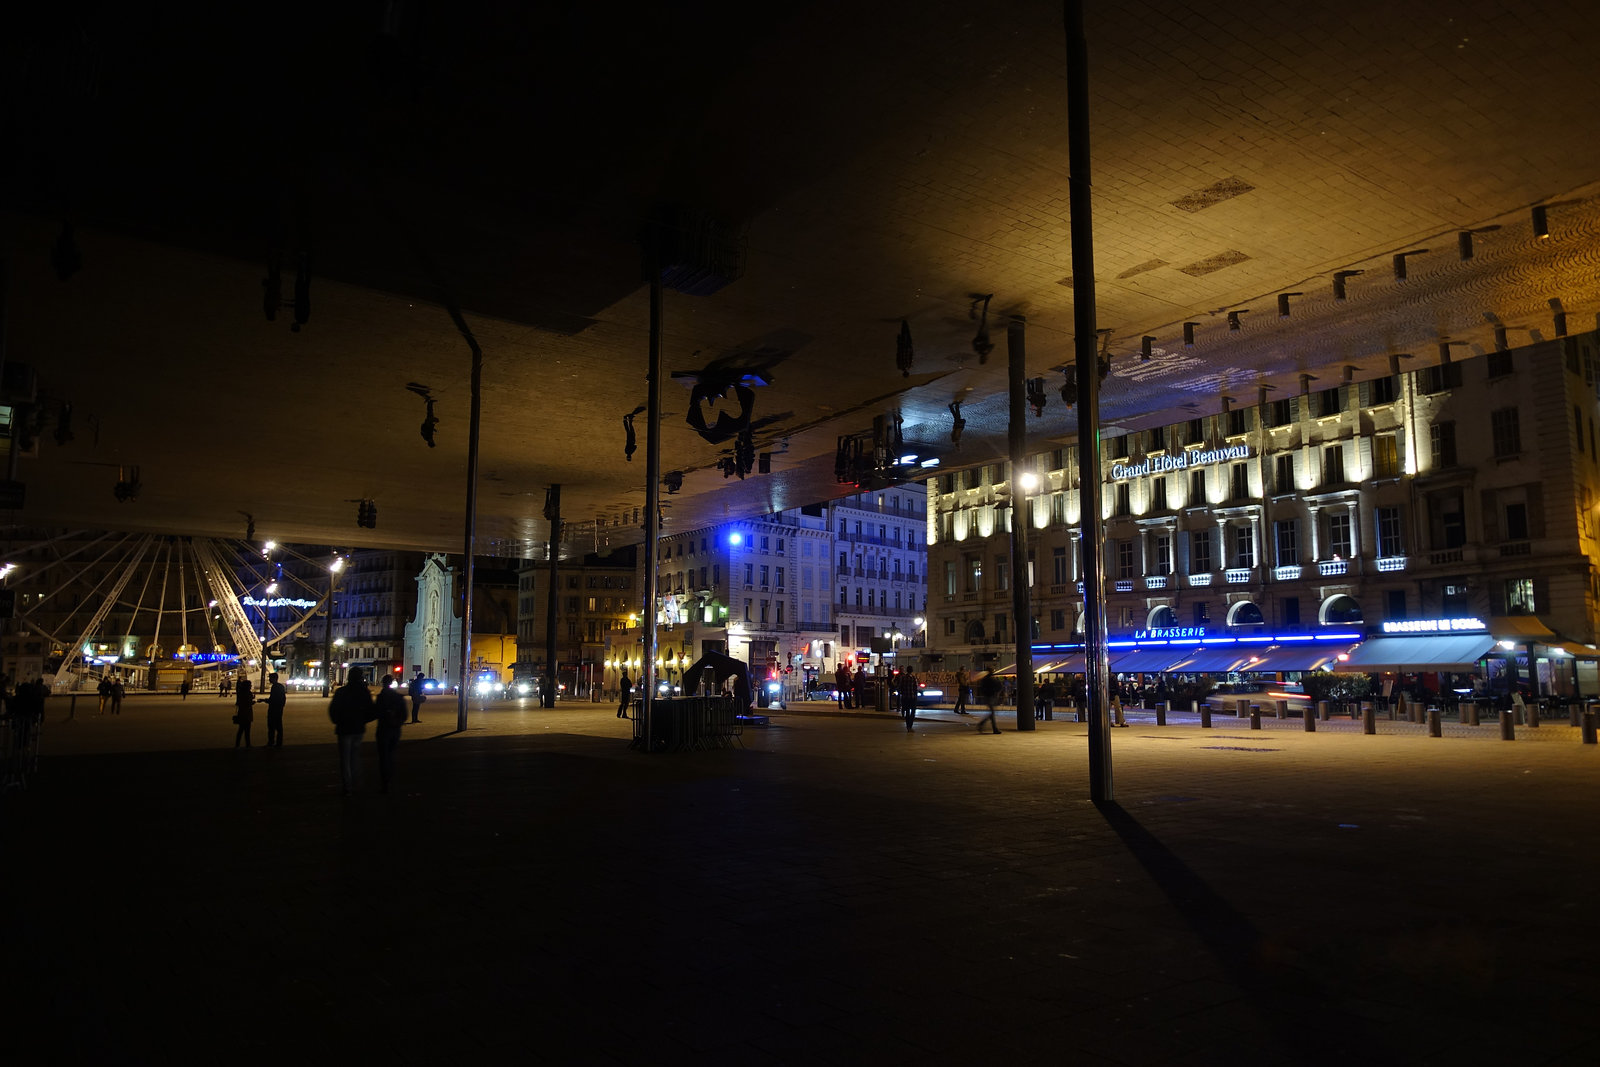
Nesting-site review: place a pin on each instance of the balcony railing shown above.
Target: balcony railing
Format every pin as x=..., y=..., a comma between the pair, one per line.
x=1287, y=573
x=1449, y=555
x=1124, y=585
x=1239, y=575
x=1389, y=564
x=1155, y=581
x=1333, y=568
x=1516, y=548
x=1197, y=581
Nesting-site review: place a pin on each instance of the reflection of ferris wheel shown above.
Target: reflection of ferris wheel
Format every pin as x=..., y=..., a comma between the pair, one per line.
x=142, y=598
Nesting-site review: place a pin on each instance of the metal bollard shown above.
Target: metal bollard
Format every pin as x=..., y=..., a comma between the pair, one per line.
x=1205, y=716
x=1366, y=710
x=1311, y=716
x=1161, y=713
x=1589, y=717
x=1471, y=713
x=1398, y=707
x=1281, y=709
x=1324, y=709
x=1255, y=716
x=1434, y=729
x=1533, y=715
x=1574, y=708
x=1508, y=725
x=1369, y=724
x=1241, y=708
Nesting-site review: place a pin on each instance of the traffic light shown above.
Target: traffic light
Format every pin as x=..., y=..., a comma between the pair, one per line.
x=367, y=514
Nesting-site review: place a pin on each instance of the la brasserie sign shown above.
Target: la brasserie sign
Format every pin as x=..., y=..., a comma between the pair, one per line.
x=1182, y=461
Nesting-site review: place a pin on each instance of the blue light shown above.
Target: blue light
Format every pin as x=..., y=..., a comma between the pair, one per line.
x=735, y=538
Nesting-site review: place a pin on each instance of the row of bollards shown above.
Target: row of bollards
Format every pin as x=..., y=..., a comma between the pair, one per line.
x=1414, y=712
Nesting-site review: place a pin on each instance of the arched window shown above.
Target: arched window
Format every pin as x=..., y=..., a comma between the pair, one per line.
x=1161, y=617
x=1245, y=613
x=1340, y=609
x=974, y=631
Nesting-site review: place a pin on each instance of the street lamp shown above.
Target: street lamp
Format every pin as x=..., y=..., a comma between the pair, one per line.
x=327, y=631
x=272, y=587
x=338, y=646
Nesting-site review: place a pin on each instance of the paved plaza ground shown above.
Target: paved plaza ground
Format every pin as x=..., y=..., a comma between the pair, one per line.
x=836, y=891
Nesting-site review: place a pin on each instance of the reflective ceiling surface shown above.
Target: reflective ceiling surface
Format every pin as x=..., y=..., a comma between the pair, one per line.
x=870, y=165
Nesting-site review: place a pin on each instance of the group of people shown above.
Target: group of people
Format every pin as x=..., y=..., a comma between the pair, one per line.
x=352, y=707
x=989, y=690
x=111, y=693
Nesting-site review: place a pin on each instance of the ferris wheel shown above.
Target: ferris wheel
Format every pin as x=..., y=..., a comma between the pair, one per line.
x=135, y=600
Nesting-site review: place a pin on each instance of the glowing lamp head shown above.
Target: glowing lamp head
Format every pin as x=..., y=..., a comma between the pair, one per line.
x=1029, y=481
x=735, y=538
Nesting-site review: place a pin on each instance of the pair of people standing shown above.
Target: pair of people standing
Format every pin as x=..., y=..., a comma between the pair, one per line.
x=352, y=707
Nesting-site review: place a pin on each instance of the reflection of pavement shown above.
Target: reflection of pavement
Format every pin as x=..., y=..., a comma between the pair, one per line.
x=535, y=889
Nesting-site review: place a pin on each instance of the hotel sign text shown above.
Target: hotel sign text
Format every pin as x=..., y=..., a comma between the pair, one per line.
x=1181, y=461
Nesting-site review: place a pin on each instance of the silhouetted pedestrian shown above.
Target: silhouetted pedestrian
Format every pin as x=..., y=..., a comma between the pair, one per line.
x=117, y=692
x=183, y=689
x=243, y=712
x=419, y=692
x=277, y=696
x=390, y=709
x=908, y=698
x=625, y=695
x=961, y=691
x=989, y=693
x=841, y=684
x=350, y=710
x=104, y=689
x=859, y=687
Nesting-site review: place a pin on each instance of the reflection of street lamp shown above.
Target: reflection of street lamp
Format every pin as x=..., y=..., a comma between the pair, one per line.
x=338, y=646
x=327, y=633
x=272, y=587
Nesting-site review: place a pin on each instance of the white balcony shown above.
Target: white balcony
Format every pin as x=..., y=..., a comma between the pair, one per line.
x=1333, y=568
x=1124, y=585
x=1198, y=580
x=1239, y=575
x=1389, y=564
x=1288, y=572
x=1155, y=581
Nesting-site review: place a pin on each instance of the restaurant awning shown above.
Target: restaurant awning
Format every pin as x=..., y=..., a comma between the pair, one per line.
x=1575, y=650
x=1214, y=660
x=1436, y=652
x=1513, y=626
x=1149, y=660
x=1298, y=657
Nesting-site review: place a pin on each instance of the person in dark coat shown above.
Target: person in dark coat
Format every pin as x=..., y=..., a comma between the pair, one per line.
x=841, y=682
x=390, y=708
x=350, y=710
x=989, y=693
x=243, y=712
x=624, y=695
x=418, y=693
x=908, y=698
x=117, y=693
x=859, y=688
x=277, y=696
x=961, y=691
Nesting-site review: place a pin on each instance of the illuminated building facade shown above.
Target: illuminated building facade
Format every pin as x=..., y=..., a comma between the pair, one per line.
x=1464, y=488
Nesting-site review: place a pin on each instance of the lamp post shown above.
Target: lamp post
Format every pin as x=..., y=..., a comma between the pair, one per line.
x=272, y=587
x=327, y=631
x=338, y=646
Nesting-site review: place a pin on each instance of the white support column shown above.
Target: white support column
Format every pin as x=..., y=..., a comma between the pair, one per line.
x=1316, y=540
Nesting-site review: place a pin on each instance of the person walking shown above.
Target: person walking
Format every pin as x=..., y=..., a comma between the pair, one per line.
x=104, y=689
x=624, y=696
x=277, y=696
x=243, y=712
x=117, y=692
x=961, y=691
x=908, y=697
x=989, y=693
x=418, y=691
x=390, y=709
x=350, y=710
x=183, y=689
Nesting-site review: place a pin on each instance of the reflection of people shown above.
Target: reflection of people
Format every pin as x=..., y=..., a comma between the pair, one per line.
x=624, y=695
x=351, y=710
x=390, y=708
x=418, y=693
x=277, y=696
x=989, y=693
x=243, y=712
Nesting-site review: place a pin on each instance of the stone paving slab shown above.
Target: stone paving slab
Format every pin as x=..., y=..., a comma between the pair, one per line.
x=837, y=891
